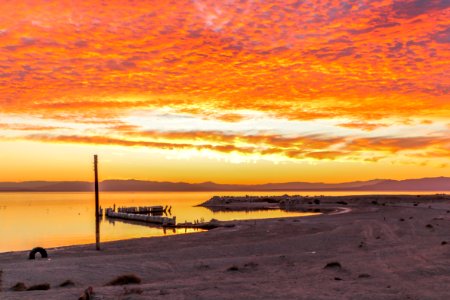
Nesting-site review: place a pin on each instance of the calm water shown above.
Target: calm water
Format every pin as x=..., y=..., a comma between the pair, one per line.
x=28, y=220
x=59, y=219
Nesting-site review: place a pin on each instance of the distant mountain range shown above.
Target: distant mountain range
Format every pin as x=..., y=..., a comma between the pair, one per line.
x=422, y=184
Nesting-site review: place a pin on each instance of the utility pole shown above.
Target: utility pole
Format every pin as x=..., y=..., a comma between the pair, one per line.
x=97, y=210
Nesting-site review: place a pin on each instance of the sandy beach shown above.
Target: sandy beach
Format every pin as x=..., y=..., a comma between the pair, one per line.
x=378, y=247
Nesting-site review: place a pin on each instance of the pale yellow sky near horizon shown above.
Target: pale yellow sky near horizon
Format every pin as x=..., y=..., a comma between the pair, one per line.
x=75, y=162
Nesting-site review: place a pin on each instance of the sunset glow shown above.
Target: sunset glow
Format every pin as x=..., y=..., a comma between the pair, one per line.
x=226, y=91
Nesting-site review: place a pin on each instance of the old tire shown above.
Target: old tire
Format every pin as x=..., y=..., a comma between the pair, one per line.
x=40, y=250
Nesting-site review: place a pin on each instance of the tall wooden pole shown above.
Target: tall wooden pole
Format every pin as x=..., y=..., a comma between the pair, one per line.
x=97, y=210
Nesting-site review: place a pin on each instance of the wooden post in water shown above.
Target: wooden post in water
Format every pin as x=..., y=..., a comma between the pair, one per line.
x=97, y=217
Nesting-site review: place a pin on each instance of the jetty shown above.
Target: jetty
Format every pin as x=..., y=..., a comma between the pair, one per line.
x=145, y=209
x=145, y=214
x=140, y=216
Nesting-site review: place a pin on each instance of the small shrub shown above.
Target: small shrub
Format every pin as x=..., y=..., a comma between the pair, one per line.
x=333, y=265
x=39, y=287
x=125, y=279
x=233, y=269
x=19, y=287
x=67, y=283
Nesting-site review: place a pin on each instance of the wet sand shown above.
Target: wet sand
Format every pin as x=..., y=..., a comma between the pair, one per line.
x=396, y=248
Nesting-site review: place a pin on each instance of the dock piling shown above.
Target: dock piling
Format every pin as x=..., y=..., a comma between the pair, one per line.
x=97, y=217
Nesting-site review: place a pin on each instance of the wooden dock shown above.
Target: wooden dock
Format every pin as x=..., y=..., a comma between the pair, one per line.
x=144, y=209
x=141, y=217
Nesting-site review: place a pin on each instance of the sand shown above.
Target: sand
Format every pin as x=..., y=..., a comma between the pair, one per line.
x=384, y=252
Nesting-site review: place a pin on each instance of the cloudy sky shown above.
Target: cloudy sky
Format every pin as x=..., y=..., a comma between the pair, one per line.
x=229, y=91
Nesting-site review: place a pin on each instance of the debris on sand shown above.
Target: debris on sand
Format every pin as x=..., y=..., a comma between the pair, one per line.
x=443, y=243
x=125, y=279
x=364, y=275
x=251, y=265
x=429, y=226
x=40, y=250
x=88, y=294
x=67, y=283
x=202, y=267
x=136, y=291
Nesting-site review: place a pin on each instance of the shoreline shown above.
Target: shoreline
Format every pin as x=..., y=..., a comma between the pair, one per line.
x=349, y=191
x=395, y=251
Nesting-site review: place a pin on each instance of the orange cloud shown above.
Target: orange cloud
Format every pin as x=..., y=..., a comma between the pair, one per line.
x=394, y=145
x=363, y=126
x=365, y=60
x=299, y=148
x=27, y=127
x=318, y=68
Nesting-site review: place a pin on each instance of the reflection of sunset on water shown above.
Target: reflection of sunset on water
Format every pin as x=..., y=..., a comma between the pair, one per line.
x=61, y=219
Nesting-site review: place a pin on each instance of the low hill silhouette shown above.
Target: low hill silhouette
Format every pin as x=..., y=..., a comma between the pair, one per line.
x=422, y=184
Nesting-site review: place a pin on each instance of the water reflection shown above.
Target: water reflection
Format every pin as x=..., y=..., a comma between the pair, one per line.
x=28, y=220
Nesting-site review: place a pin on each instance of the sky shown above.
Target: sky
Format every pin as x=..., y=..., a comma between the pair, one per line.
x=228, y=91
